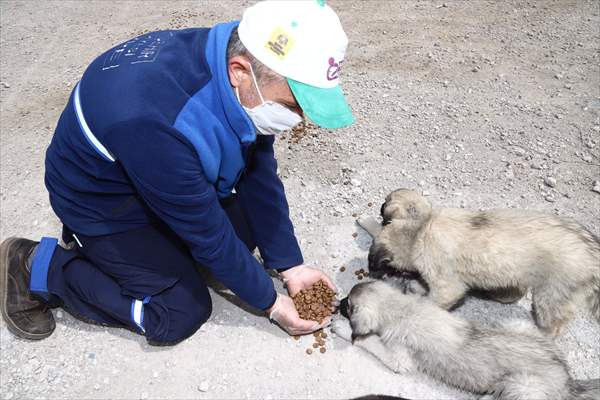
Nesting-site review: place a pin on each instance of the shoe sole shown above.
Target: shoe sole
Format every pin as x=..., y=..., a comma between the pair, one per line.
x=14, y=329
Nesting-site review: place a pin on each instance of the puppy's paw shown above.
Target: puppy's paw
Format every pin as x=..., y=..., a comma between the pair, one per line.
x=341, y=327
x=370, y=224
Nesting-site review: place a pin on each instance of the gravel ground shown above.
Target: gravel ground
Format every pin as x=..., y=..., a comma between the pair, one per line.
x=479, y=104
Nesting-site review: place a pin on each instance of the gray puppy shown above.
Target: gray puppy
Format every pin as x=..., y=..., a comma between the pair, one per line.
x=503, y=251
x=409, y=331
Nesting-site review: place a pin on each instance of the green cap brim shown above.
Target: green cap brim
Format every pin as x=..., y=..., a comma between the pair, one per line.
x=325, y=107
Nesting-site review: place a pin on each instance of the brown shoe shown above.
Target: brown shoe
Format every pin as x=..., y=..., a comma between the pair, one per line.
x=25, y=316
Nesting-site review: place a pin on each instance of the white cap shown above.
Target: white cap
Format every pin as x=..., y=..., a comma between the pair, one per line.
x=299, y=39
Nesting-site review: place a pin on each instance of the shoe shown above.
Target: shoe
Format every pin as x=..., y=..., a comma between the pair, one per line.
x=26, y=316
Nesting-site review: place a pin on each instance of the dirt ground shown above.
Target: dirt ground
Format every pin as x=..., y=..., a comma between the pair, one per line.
x=479, y=104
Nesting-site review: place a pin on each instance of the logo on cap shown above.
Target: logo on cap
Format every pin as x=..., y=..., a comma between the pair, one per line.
x=334, y=69
x=280, y=43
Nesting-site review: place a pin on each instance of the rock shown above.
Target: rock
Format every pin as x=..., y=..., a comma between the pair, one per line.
x=203, y=386
x=519, y=151
x=355, y=182
x=550, y=198
x=5, y=85
x=596, y=187
x=550, y=181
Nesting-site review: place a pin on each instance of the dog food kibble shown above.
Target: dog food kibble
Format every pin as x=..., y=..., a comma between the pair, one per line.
x=354, y=234
x=370, y=204
x=342, y=269
x=308, y=351
x=296, y=337
x=360, y=277
x=322, y=349
x=314, y=303
x=362, y=270
x=354, y=215
x=323, y=335
x=315, y=345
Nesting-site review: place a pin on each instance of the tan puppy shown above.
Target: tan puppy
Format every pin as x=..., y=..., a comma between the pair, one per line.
x=504, y=252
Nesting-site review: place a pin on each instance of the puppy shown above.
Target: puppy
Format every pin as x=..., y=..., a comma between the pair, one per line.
x=413, y=332
x=504, y=252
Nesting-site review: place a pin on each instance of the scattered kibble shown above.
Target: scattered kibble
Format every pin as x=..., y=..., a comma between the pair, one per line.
x=354, y=234
x=315, y=345
x=342, y=269
x=308, y=351
x=370, y=204
x=296, y=337
x=354, y=215
x=360, y=277
x=322, y=349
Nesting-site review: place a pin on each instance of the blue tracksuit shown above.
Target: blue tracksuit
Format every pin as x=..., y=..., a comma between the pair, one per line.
x=150, y=146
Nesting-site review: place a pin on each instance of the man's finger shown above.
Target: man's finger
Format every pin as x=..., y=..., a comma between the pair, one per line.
x=328, y=282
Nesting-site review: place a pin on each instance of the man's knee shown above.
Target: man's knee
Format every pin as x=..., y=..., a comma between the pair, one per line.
x=179, y=317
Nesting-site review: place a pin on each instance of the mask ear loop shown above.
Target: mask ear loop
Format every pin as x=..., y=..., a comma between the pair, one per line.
x=262, y=100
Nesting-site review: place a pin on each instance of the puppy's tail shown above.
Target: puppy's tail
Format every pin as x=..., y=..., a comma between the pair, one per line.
x=585, y=389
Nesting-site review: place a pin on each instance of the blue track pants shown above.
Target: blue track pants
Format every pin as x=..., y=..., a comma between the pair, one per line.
x=144, y=279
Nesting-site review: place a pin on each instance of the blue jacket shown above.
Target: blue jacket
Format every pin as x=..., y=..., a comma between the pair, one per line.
x=153, y=130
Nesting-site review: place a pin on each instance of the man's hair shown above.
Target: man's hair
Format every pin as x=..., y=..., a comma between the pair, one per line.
x=235, y=47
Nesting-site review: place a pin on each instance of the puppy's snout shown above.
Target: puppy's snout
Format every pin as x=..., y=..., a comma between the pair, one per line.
x=344, y=307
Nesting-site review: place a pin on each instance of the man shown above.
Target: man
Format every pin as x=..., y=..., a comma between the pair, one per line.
x=163, y=160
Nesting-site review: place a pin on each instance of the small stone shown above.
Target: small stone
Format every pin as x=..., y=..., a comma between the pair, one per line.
x=5, y=85
x=550, y=198
x=596, y=187
x=203, y=386
x=550, y=181
x=355, y=182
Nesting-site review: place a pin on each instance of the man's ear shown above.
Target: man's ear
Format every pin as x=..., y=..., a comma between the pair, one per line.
x=238, y=68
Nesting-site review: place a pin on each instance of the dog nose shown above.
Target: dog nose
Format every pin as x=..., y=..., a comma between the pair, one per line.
x=344, y=307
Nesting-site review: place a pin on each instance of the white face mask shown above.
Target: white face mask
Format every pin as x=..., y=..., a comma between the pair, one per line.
x=270, y=118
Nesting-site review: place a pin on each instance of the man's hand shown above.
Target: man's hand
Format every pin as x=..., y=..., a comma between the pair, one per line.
x=285, y=314
x=302, y=277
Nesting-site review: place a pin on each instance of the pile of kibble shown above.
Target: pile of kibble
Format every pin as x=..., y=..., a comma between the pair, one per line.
x=315, y=303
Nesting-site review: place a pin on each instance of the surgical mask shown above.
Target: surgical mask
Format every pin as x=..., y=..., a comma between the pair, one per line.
x=270, y=118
